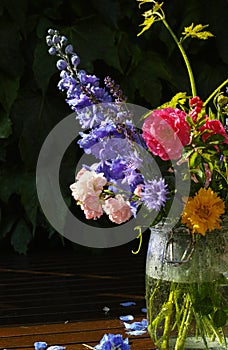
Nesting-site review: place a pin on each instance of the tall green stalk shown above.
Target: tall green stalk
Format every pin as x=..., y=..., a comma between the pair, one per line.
x=186, y=60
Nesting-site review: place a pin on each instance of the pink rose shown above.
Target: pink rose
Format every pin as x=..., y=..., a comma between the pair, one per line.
x=166, y=132
x=117, y=209
x=214, y=127
x=86, y=191
x=89, y=183
x=92, y=207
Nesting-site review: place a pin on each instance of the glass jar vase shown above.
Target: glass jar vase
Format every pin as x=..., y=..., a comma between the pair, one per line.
x=187, y=288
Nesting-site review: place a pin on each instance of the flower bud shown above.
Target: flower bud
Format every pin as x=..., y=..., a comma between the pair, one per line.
x=49, y=40
x=56, y=39
x=69, y=49
x=63, y=40
x=61, y=64
x=52, y=51
x=51, y=31
x=75, y=60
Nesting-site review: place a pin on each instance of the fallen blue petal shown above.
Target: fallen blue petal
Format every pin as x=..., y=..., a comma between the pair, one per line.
x=128, y=303
x=127, y=318
x=136, y=332
x=40, y=345
x=144, y=310
x=113, y=342
x=136, y=327
x=56, y=347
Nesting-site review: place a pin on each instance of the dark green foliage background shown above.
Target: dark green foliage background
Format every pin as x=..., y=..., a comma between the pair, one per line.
x=104, y=34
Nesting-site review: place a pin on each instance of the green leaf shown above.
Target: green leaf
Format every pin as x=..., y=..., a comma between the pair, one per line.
x=220, y=317
x=29, y=197
x=17, y=11
x=41, y=30
x=43, y=65
x=8, y=91
x=109, y=10
x=178, y=100
x=147, y=77
x=5, y=125
x=21, y=237
x=93, y=40
x=11, y=60
x=10, y=180
x=197, y=32
x=7, y=222
x=215, y=139
x=195, y=160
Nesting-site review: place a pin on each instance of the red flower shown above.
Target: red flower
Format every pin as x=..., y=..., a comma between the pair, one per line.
x=165, y=132
x=196, y=105
x=213, y=127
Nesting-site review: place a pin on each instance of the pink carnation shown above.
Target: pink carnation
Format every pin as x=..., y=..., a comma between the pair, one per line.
x=166, y=132
x=117, y=209
x=213, y=127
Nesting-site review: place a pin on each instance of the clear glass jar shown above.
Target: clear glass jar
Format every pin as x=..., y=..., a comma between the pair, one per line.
x=187, y=288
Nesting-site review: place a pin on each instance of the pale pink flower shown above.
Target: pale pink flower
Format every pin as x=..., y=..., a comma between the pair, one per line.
x=138, y=190
x=92, y=207
x=89, y=183
x=86, y=191
x=80, y=173
x=117, y=209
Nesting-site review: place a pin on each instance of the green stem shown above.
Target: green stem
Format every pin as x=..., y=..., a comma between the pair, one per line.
x=167, y=325
x=186, y=321
x=187, y=63
x=215, y=92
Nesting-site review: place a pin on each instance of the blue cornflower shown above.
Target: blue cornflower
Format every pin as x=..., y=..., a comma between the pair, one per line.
x=154, y=194
x=134, y=178
x=113, y=342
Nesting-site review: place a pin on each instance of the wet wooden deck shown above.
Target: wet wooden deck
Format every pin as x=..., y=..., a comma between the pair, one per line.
x=58, y=296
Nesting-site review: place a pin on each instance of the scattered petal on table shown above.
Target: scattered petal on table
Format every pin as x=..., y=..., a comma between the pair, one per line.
x=144, y=310
x=106, y=309
x=127, y=318
x=134, y=327
x=40, y=345
x=56, y=347
x=113, y=342
x=136, y=332
x=128, y=303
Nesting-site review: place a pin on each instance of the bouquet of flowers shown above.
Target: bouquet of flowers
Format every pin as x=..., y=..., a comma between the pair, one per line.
x=137, y=165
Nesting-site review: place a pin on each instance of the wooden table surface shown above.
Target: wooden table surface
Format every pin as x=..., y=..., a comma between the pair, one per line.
x=58, y=296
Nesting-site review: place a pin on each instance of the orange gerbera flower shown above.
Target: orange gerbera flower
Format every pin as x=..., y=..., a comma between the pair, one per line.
x=203, y=212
